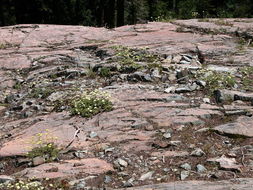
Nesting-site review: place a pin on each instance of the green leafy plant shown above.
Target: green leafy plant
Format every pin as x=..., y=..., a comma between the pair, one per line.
x=7, y=45
x=129, y=57
x=247, y=78
x=154, y=65
x=41, y=92
x=91, y=74
x=130, y=67
x=17, y=86
x=91, y=103
x=43, y=145
x=204, y=20
x=243, y=43
x=50, y=151
x=32, y=184
x=163, y=18
x=223, y=22
x=180, y=29
x=105, y=72
x=2, y=46
x=216, y=80
x=22, y=185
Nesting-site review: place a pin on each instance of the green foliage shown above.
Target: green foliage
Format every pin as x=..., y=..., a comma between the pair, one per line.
x=180, y=29
x=155, y=65
x=136, y=11
x=41, y=92
x=91, y=103
x=49, y=151
x=242, y=43
x=163, y=18
x=91, y=74
x=43, y=146
x=216, y=80
x=160, y=13
x=17, y=86
x=4, y=105
x=105, y=72
x=223, y=22
x=2, y=46
x=247, y=78
x=204, y=20
x=22, y=185
x=187, y=9
x=246, y=71
x=7, y=45
x=130, y=67
x=32, y=184
x=132, y=57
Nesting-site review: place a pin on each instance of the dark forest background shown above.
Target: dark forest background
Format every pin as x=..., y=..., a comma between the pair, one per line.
x=112, y=13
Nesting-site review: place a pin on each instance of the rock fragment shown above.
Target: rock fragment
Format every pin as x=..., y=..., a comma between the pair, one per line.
x=184, y=174
x=201, y=168
x=240, y=127
x=38, y=160
x=197, y=152
x=226, y=163
x=5, y=178
x=146, y=176
x=121, y=162
x=186, y=166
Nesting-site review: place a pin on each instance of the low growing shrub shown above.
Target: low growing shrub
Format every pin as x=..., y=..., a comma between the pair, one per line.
x=91, y=103
x=216, y=80
x=43, y=145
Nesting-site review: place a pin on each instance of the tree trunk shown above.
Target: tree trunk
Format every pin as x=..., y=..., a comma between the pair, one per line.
x=110, y=14
x=174, y=5
x=132, y=12
x=120, y=12
x=101, y=13
x=2, y=23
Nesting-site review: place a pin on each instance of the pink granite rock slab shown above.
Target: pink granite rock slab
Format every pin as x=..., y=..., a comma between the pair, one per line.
x=66, y=169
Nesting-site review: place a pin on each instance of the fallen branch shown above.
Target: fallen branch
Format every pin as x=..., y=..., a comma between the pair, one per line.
x=75, y=136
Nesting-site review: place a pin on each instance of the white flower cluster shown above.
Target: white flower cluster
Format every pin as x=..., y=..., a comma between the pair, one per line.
x=22, y=185
x=91, y=103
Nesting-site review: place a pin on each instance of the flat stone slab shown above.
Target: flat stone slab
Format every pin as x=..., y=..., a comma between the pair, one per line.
x=48, y=126
x=243, y=126
x=134, y=111
x=235, y=184
x=226, y=163
x=69, y=168
x=228, y=95
x=118, y=125
x=30, y=42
